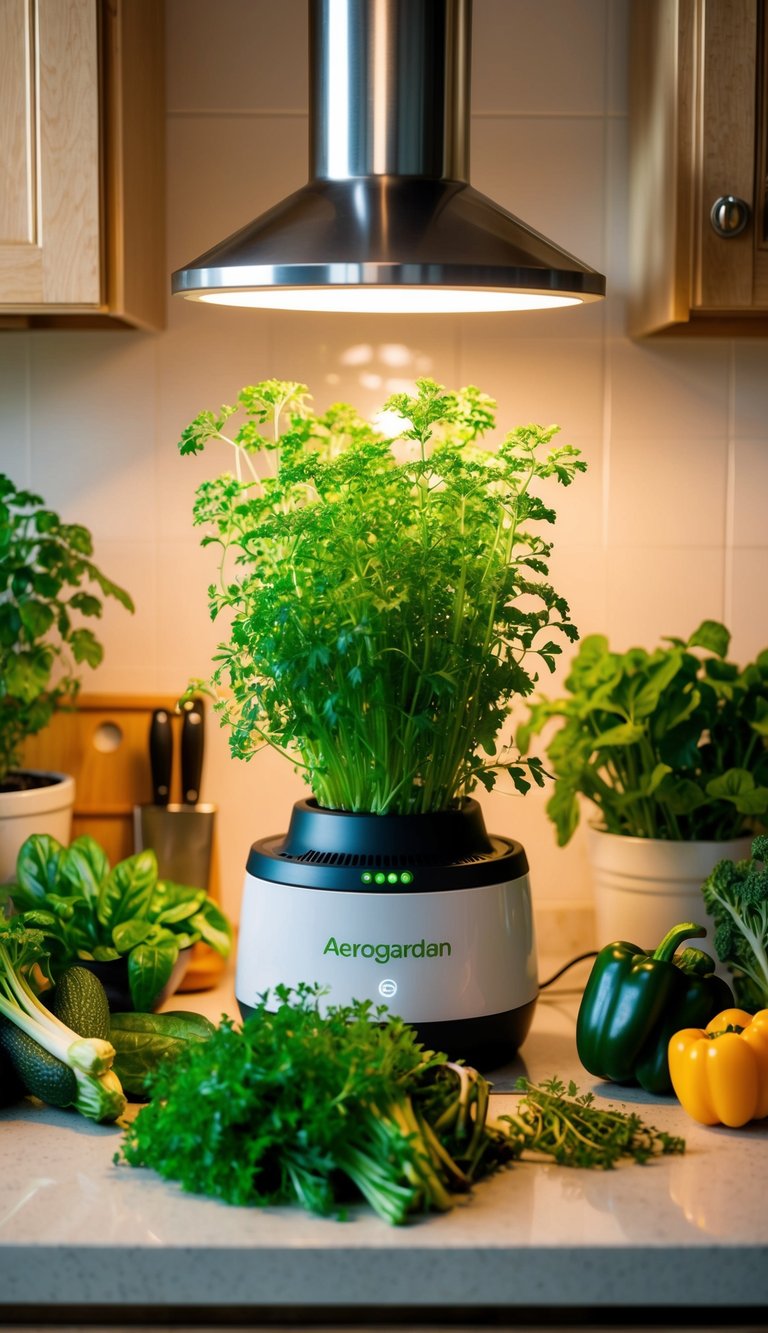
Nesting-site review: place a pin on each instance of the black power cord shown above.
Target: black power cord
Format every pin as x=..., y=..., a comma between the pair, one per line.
x=565, y=968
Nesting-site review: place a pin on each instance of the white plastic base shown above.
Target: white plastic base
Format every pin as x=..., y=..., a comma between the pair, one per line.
x=431, y=957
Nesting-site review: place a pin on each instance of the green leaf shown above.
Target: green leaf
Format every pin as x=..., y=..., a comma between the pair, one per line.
x=102, y=953
x=214, y=928
x=711, y=635
x=626, y=733
x=149, y=969
x=144, y=1041
x=85, y=647
x=84, y=868
x=734, y=782
x=646, y=693
x=127, y=890
x=86, y=604
x=681, y=795
x=651, y=782
x=37, y=865
x=563, y=810
x=128, y=934
x=36, y=618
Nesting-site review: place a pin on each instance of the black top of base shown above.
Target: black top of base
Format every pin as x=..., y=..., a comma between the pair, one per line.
x=338, y=849
x=439, y=836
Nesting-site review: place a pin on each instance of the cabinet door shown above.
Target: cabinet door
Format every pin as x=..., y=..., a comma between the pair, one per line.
x=697, y=135
x=49, y=155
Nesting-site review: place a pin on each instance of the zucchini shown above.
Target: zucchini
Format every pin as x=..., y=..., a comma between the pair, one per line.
x=39, y=1071
x=80, y=1002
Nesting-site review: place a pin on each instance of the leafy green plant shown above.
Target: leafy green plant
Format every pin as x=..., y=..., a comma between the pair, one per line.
x=48, y=582
x=385, y=606
x=89, y=911
x=666, y=744
x=736, y=897
x=326, y=1108
x=299, y=1106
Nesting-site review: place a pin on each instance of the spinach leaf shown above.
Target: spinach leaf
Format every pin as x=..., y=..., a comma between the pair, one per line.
x=37, y=867
x=213, y=926
x=149, y=967
x=127, y=934
x=84, y=868
x=175, y=902
x=143, y=1041
x=128, y=888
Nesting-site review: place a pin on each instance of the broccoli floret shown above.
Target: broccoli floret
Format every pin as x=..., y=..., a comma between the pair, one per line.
x=736, y=897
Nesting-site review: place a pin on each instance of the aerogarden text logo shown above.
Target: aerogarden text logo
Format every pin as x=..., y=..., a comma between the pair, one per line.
x=383, y=953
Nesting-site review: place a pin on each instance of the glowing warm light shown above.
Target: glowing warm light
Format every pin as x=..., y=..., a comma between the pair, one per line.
x=390, y=424
x=387, y=300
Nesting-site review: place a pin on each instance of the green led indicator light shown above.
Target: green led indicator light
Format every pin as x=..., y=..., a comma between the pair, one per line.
x=366, y=877
x=380, y=878
x=392, y=877
x=406, y=877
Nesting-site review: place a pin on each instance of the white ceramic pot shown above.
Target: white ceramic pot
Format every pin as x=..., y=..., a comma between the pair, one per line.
x=644, y=886
x=45, y=809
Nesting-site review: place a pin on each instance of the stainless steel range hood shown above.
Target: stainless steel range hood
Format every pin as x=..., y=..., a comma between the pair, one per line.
x=388, y=221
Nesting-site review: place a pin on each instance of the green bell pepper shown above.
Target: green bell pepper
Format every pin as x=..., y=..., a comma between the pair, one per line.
x=634, y=1002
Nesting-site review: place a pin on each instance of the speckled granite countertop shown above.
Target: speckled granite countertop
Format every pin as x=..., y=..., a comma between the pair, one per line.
x=680, y=1233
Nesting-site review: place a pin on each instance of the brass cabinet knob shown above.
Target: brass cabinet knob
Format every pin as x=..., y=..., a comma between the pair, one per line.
x=729, y=216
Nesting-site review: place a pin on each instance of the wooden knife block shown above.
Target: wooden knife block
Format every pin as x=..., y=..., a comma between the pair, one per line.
x=103, y=743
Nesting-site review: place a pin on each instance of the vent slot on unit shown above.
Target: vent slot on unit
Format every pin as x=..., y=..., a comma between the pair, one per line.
x=376, y=861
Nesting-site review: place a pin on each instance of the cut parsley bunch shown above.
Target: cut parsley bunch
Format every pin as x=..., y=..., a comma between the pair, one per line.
x=319, y=1109
x=736, y=897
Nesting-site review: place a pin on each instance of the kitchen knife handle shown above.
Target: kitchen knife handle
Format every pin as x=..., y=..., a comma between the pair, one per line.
x=192, y=736
x=160, y=755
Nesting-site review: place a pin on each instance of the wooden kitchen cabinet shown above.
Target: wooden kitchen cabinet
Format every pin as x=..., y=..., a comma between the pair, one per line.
x=698, y=133
x=82, y=163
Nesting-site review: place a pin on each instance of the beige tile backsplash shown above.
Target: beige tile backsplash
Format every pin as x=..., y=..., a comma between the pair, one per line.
x=669, y=526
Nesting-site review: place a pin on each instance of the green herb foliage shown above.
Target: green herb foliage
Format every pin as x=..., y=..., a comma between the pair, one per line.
x=322, y=1109
x=666, y=744
x=384, y=608
x=88, y=910
x=736, y=897
x=296, y=1106
x=48, y=584
x=556, y=1122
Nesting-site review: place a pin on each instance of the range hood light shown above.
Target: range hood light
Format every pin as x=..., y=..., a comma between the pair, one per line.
x=387, y=300
x=388, y=222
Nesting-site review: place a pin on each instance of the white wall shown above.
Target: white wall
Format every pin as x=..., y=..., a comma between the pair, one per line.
x=668, y=526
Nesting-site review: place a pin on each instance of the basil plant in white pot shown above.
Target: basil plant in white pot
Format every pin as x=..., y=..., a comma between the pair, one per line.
x=49, y=586
x=669, y=747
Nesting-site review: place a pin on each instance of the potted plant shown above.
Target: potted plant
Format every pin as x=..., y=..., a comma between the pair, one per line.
x=387, y=596
x=669, y=746
x=132, y=928
x=48, y=584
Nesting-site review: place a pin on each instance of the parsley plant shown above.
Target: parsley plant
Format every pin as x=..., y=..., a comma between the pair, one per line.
x=384, y=609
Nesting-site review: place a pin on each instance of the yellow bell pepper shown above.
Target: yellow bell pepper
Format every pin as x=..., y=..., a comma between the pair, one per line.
x=720, y=1074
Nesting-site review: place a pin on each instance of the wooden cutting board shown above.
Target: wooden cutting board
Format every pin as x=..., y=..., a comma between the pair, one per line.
x=103, y=743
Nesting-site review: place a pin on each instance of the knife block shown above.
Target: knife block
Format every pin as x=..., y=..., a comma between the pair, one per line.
x=102, y=742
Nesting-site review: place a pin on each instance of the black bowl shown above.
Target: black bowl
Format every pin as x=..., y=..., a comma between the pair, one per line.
x=113, y=976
